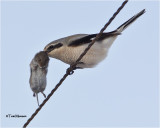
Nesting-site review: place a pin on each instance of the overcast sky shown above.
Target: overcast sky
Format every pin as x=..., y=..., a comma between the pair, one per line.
x=120, y=91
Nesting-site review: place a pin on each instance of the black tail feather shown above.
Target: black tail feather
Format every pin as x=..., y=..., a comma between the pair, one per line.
x=131, y=20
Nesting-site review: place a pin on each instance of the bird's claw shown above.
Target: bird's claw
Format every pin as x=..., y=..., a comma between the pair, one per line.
x=69, y=71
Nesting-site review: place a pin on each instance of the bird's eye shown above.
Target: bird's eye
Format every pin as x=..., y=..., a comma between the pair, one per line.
x=50, y=47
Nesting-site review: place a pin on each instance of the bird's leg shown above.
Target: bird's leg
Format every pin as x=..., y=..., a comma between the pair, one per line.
x=72, y=71
x=69, y=71
x=37, y=98
x=71, y=67
x=77, y=68
x=34, y=94
x=43, y=95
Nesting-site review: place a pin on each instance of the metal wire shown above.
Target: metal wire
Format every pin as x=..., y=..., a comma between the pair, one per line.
x=71, y=68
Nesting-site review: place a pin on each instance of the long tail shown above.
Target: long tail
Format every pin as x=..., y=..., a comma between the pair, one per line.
x=130, y=21
x=37, y=98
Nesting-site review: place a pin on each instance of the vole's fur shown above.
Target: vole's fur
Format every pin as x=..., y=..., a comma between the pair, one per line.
x=39, y=68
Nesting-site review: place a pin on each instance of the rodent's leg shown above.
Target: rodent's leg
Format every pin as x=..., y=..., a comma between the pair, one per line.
x=34, y=94
x=43, y=94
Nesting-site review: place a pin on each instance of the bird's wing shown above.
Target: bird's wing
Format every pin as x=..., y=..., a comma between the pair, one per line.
x=77, y=40
x=85, y=39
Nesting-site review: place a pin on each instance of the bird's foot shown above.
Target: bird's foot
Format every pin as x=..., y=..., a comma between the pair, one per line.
x=69, y=71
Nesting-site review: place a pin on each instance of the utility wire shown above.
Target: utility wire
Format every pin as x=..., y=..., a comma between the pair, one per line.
x=71, y=68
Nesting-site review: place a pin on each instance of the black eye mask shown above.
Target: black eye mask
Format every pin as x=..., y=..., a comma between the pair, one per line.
x=52, y=47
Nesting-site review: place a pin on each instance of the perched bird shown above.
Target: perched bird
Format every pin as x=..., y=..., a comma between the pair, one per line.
x=68, y=49
x=39, y=68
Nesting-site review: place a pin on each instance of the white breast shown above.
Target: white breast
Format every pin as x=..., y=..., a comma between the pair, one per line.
x=96, y=54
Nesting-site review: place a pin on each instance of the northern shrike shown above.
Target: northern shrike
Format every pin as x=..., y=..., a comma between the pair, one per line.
x=68, y=49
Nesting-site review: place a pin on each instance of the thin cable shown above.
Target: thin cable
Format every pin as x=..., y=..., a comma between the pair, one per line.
x=70, y=69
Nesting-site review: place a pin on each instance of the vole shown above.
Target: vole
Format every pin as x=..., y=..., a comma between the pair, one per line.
x=39, y=68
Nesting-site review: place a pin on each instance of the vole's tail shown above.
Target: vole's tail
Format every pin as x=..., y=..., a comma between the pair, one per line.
x=130, y=21
x=37, y=98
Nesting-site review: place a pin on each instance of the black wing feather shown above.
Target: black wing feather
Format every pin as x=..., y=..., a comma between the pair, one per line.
x=88, y=39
